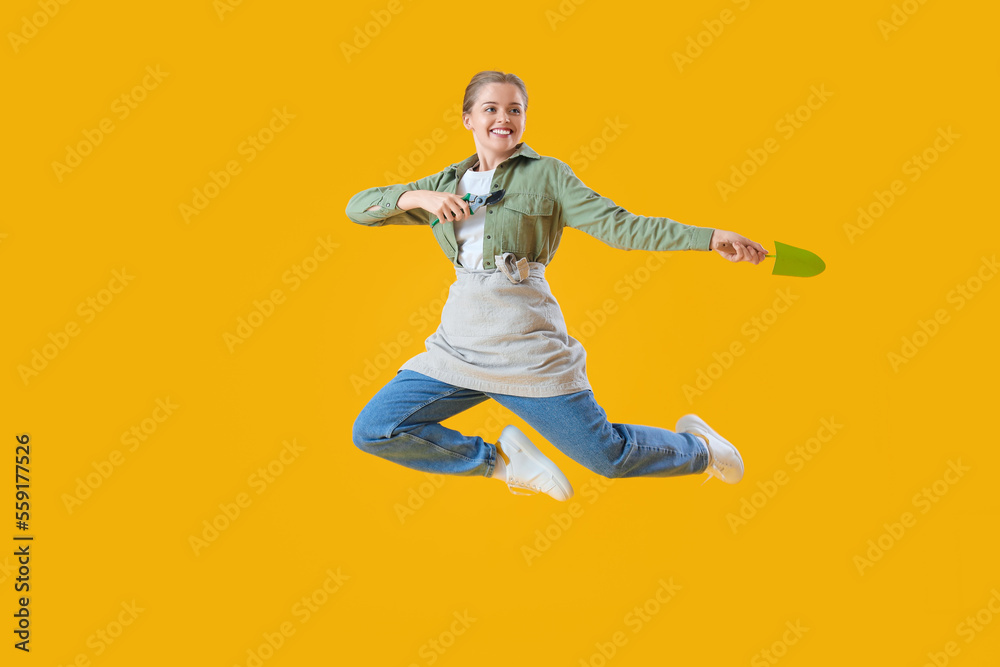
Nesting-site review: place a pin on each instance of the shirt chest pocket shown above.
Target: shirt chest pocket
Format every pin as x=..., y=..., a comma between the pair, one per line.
x=527, y=223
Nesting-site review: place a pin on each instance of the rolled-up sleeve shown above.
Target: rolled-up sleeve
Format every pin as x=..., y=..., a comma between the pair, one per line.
x=582, y=208
x=386, y=199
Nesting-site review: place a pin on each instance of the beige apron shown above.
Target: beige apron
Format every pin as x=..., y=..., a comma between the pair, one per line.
x=502, y=332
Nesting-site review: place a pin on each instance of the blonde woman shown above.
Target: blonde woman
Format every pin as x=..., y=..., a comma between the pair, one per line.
x=502, y=335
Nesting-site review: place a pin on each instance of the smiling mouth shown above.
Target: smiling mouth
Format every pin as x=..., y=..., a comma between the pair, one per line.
x=501, y=133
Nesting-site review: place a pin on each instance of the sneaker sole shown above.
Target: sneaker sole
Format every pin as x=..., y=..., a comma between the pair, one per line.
x=687, y=421
x=517, y=441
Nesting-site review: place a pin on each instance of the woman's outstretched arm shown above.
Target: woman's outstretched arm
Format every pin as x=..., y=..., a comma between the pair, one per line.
x=586, y=210
x=381, y=206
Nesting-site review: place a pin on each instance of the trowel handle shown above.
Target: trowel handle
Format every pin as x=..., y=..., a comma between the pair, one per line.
x=728, y=246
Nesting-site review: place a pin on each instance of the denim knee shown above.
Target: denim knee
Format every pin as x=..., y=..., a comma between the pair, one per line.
x=367, y=431
x=614, y=455
x=612, y=472
x=606, y=469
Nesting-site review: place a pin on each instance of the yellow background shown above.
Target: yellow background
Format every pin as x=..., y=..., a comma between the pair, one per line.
x=463, y=550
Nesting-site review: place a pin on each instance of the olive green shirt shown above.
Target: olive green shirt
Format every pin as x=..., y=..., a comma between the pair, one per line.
x=541, y=196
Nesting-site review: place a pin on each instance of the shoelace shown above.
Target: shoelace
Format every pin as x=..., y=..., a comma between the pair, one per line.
x=529, y=489
x=712, y=472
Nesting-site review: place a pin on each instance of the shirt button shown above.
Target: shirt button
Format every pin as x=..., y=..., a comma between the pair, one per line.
x=491, y=210
x=487, y=236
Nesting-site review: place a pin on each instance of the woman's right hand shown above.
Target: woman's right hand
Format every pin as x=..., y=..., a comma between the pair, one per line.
x=736, y=247
x=446, y=206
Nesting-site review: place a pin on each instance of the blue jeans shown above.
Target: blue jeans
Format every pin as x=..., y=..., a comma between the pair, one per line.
x=401, y=423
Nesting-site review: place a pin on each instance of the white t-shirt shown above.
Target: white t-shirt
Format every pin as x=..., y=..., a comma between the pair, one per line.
x=469, y=232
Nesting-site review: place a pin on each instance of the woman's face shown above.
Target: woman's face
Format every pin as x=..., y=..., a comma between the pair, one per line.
x=499, y=107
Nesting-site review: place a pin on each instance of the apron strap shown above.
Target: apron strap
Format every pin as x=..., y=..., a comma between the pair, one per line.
x=515, y=269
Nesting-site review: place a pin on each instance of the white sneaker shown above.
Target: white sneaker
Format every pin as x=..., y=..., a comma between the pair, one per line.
x=724, y=461
x=529, y=471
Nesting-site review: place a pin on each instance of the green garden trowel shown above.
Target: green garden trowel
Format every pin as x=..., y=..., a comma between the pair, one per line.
x=792, y=261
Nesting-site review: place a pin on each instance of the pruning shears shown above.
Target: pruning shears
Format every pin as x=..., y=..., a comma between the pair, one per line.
x=478, y=201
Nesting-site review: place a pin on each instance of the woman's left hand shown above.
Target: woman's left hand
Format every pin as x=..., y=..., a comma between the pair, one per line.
x=737, y=248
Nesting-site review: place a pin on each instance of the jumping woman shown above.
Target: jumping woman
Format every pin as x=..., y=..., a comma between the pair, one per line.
x=499, y=215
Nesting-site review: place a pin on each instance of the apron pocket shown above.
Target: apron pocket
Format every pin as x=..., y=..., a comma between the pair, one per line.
x=484, y=307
